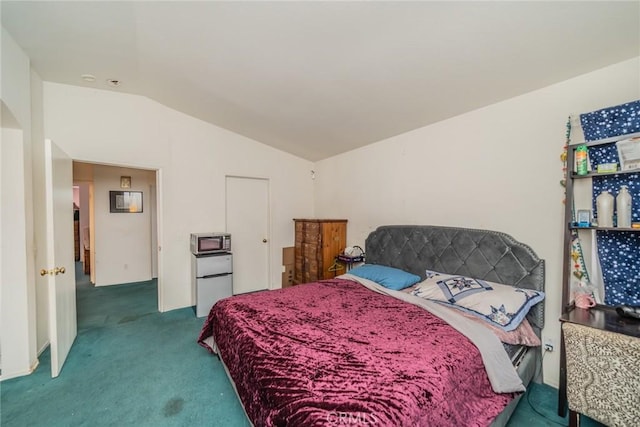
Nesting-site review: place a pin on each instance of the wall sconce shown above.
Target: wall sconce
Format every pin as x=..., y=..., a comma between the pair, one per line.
x=125, y=182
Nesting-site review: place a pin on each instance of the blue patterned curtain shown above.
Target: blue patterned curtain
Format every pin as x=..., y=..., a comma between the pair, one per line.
x=619, y=251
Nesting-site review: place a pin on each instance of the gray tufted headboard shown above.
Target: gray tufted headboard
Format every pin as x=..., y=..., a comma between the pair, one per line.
x=482, y=254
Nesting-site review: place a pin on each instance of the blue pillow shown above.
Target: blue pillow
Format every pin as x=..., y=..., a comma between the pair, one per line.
x=389, y=277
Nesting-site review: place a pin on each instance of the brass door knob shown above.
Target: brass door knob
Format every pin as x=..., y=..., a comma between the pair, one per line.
x=56, y=271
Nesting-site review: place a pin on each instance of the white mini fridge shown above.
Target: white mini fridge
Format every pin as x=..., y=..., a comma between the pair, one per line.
x=213, y=277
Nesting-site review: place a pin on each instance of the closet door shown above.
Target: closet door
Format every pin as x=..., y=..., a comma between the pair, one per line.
x=248, y=223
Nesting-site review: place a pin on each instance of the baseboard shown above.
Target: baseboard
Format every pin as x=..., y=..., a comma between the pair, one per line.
x=43, y=348
x=11, y=375
x=34, y=366
x=30, y=371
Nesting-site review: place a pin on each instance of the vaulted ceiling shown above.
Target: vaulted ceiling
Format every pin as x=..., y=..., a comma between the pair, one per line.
x=320, y=78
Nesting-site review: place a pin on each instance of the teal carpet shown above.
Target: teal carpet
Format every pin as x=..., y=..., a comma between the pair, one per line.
x=133, y=366
x=129, y=366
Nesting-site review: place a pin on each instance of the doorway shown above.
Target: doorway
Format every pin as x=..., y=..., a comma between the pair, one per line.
x=117, y=247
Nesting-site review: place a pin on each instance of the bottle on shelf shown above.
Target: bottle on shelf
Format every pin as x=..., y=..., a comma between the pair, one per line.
x=582, y=165
x=604, y=208
x=623, y=206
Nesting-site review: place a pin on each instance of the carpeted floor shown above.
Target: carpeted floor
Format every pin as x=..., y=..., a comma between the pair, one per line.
x=133, y=366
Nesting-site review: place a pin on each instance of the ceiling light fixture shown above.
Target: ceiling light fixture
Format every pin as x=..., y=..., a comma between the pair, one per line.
x=114, y=82
x=88, y=78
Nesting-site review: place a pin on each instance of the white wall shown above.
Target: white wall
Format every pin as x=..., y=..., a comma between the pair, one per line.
x=192, y=157
x=84, y=215
x=494, y=168
x=123, y=240
x=18, y=310
x=83, y=178
x=15, y=349
x=41, y=307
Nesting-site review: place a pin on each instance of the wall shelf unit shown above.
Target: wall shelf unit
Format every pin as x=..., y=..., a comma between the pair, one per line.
x=602, y=317
x=595, y=228
x=569, y=208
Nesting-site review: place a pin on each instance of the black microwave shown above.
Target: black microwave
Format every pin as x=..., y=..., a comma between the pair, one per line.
x=209, y=243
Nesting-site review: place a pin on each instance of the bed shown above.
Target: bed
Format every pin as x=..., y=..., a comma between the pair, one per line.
x=350, y=351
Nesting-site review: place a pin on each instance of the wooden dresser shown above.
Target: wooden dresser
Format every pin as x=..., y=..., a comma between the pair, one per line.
x=317, y=244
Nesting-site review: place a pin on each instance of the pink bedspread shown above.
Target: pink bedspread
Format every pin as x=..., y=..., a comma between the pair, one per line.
x=336, y=353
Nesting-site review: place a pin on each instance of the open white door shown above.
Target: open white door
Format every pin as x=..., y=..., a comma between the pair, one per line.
x=60, y=267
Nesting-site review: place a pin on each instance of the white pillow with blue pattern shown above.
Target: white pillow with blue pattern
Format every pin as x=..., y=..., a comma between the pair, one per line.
x=501, y=305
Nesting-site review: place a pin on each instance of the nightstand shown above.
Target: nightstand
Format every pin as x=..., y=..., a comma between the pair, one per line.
x=600, y=356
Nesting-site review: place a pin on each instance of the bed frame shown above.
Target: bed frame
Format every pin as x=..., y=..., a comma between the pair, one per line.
x=482, y=254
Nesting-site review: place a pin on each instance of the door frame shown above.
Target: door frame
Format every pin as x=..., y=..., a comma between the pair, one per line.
x=159, y=224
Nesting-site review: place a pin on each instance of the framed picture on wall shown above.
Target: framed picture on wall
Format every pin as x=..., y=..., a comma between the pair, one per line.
x=125, y=182
x=125, y=201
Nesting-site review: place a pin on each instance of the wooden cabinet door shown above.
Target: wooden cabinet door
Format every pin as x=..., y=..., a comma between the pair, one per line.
x=334, y=240
x=298, y=257
x=317, y=243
